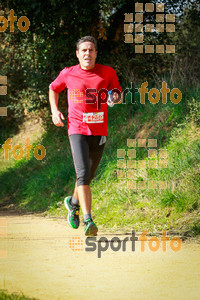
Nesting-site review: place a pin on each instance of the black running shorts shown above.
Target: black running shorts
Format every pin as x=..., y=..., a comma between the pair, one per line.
x=87, y=154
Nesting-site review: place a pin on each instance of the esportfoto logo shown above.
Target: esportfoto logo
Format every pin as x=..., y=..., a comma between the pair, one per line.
x=116, y=244
x=23, y=22
x=18, y=151
x=130, y=170
x=3, y=92
x=135, y=29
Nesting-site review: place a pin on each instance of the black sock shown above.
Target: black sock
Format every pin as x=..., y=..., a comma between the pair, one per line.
x=87, y=216
x=74, y=201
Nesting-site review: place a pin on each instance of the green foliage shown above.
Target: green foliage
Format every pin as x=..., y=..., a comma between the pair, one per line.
x=33, y=59
x=168, y=199
x=4, y=295
x=194, y=107
x=42, y=185
x=196, y=228
x=46, y=178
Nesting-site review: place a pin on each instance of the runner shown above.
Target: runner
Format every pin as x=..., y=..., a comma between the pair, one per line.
x=88, y=84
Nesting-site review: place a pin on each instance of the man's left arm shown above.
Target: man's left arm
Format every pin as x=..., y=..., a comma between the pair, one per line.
x=114, y=85
x=117, y=99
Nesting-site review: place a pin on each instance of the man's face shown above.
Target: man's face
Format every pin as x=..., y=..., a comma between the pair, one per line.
x=86, y=55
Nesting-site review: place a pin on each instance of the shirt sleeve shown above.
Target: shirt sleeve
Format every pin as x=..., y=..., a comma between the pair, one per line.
x=58, y=85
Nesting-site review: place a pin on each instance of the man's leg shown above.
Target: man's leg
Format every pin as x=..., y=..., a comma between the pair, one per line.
x=85, y=198
x=95, y=154
x=75, y=198
x=83, y=194
x=87, y=154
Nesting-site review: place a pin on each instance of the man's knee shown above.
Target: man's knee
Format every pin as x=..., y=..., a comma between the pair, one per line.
x=83, y=178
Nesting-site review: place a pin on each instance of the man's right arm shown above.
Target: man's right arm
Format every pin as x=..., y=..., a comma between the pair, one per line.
x=57, y=116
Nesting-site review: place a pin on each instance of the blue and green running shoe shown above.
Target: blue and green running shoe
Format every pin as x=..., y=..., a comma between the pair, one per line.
x=90, y=228
x=73, y=213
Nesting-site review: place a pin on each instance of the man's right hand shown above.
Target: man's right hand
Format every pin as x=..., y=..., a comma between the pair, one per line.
x=57, y=118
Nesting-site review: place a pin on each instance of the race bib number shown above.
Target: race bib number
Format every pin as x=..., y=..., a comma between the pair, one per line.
x=95, y=117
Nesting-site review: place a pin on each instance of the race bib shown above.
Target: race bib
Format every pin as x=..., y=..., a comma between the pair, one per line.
x=95, y=117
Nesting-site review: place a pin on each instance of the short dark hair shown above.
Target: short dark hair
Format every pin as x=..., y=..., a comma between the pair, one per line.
x=87, y=38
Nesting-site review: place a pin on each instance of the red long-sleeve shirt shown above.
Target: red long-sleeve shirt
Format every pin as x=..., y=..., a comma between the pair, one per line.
x=87, y=111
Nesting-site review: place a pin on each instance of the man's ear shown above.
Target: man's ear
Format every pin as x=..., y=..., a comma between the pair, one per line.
x=77, y=53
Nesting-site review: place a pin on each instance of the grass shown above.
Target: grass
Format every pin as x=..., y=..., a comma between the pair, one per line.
x=40, y=186
x=4, y=295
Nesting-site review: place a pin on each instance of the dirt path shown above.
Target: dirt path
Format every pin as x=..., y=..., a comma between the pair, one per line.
x=41, y=264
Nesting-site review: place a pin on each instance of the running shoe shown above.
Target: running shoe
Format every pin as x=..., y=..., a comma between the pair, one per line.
x=90, y=228
x=73, y=213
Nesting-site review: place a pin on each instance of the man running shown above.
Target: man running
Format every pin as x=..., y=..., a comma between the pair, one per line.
x=88, y=84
